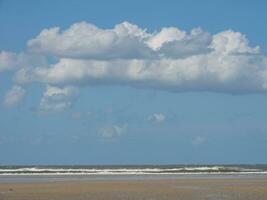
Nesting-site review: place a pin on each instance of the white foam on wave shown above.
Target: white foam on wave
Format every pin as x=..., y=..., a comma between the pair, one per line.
x=135, y=173
x=125, y=171
x=34, y=169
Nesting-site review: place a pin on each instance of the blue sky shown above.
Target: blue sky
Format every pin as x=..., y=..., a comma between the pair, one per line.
x=114, y=84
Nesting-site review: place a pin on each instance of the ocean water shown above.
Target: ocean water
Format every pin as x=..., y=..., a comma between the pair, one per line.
x=131, y=169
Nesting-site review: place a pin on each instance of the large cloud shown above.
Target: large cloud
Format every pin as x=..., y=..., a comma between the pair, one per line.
x=170, y=59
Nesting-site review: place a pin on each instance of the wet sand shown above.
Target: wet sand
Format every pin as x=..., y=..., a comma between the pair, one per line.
x=176, y=189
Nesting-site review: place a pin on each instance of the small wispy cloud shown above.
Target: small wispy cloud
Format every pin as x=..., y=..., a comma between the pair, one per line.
x=112, y=131
x=14, y=96
x=57, y=99
x=198, y=140
x=77, y=115
x=157, y=118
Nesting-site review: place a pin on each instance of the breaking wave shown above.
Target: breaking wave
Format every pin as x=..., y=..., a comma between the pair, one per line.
x=128, y=170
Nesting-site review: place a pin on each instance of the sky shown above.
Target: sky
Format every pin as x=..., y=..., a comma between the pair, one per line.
x=133, y=82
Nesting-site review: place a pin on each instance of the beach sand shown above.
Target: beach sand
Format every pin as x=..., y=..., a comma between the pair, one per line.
x=172, y=189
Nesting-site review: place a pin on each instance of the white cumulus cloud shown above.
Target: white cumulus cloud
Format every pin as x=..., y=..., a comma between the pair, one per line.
x=14, y=96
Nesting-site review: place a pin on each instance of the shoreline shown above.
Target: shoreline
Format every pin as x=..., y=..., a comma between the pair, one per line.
x=25, y=178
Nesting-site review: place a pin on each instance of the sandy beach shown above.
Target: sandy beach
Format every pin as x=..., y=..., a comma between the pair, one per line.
x=176, y=189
